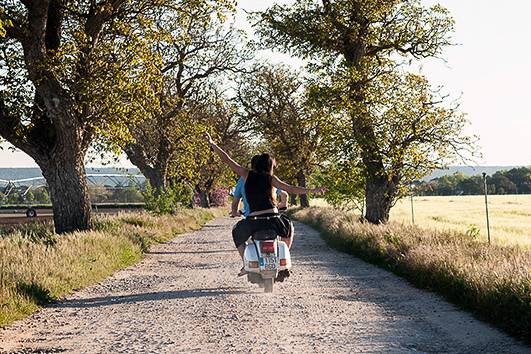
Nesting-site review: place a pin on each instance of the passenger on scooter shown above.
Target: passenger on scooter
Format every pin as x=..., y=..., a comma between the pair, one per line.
x=239, y=195
x=259, y=184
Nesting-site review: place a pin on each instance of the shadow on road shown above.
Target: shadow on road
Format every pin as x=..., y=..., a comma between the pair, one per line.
x=154, y=296
x=193, y=252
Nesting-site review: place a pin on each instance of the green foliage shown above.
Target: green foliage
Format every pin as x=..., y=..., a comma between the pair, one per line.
x=218, y=113
x=358, y=51
x=127, y=195
x=112, y=77
x=345, y=182
x=158, y=202
x=473, y=231
x=161, y=202
x=183, y=193
x=273, y=102
x=4, y=23
x=521, y=177
x=21, y=195
x=196, y=46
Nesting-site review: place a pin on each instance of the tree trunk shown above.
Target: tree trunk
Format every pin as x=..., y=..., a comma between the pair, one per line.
x=156, y=175
x=204, y=200
x=292, y=199
x=67, y=182
x=157, y=179
x=379, y=198
x=301, y=180
x=379, y=190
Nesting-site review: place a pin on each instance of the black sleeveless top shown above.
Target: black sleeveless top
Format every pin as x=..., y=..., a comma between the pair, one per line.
x=259, y=191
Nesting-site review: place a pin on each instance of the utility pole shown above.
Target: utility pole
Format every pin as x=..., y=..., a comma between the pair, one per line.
x=486, y=204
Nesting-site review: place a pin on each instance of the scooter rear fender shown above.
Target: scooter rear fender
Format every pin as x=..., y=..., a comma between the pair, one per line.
x=250, y=255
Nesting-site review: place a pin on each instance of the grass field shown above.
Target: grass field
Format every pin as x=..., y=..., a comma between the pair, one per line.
x=510, y=216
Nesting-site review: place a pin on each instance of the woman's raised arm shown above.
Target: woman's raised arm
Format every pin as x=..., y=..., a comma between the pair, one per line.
x=295, y=190
x=242, y=171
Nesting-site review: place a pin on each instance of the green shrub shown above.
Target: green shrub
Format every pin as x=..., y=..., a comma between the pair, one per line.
x=472, y=231
x=167, y=202
x=345, y=182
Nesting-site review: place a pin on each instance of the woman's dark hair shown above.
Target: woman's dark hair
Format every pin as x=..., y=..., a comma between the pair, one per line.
x=253, y=162
x=264, y=164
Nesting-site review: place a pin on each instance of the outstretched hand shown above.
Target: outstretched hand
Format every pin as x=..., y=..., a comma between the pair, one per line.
x=320, y=190
x=208, y=138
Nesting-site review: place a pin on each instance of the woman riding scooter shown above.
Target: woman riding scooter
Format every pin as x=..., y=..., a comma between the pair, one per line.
x=259, y=186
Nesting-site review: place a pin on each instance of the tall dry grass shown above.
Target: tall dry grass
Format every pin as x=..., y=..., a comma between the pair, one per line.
x=37, y=266
x=493, y=282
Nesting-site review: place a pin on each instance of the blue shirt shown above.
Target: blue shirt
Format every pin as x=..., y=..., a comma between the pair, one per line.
x=239, y=192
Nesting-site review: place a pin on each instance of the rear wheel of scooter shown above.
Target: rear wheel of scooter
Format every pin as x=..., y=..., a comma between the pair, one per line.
x=268, y=285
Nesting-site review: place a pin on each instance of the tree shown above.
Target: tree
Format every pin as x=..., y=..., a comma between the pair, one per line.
x=521, y=177
x=448, y=185
x=502, y=184
x=472, y=185
x=416, y=131
x=3, y=23
x=196, y=48
x=218, y=114
x=355, y=48
x=72, y=71
x=273, y=101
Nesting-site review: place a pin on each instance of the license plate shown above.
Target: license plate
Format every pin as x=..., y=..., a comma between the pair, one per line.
x=268, y=263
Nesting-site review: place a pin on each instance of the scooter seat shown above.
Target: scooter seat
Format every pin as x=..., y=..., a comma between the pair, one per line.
x=263, y=235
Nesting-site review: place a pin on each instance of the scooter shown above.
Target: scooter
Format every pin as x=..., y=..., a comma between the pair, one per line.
x=264, y=257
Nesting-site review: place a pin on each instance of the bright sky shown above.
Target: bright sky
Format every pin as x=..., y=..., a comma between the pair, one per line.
x=490, y=69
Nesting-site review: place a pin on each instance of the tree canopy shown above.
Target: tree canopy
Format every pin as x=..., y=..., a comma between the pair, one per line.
x=358, y=52
x=273, y=100
x=195, y=49
x=73, y=72
x=150, y=76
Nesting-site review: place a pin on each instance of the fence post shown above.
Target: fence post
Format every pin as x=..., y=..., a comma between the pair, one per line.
x=412, y=210
x=486, y=204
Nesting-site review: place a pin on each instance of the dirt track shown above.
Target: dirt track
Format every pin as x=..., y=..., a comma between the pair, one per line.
x=185, y=297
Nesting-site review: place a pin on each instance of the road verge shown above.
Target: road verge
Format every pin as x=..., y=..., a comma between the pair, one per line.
x=493, y=282
x=38, y=267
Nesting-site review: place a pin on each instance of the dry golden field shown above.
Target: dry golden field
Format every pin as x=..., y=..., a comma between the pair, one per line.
x=510, y=215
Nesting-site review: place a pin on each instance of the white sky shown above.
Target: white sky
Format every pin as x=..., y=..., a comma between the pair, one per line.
x=490, y=69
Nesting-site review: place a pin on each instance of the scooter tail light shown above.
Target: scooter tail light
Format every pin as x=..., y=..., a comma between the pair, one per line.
x=267, y=247
x=283, y=262
x=253, y=264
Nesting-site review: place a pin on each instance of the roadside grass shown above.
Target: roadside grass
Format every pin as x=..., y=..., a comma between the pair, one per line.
x=493, y=282
x=38, y=266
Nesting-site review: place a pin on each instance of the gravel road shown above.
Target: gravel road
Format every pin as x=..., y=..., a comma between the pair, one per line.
x=184, y=297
